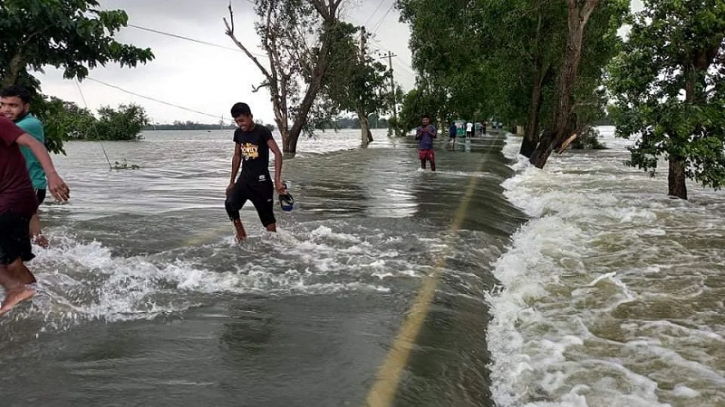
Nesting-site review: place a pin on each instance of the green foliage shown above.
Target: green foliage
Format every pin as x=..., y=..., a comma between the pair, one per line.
x=355, y=83
x=73, y=35
x=124, y=123
x=485, y=58
x=669, y=87
x=588, y=140
x=417, y=103
x=65, y=120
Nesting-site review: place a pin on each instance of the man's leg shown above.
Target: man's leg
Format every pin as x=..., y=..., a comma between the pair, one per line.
x=14, y=249
x=36, y=233
x=15, y=278
x=432, y=158
x=234, y=202
x=262, y=198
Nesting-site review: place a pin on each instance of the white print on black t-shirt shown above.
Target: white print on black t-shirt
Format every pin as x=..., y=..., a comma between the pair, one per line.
x=250, y=151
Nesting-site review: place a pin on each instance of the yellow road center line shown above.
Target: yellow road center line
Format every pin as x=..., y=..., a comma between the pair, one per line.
x=382, y=394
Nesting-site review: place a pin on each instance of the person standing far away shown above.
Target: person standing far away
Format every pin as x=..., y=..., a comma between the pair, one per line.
x=252, y=144
x=452, y=133
x=483, y=127
x=18, y=203
x=469, y=129
x=425, y=135
x=15, y=105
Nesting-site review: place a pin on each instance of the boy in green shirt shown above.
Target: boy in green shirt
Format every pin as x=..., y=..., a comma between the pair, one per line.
x=15, y=105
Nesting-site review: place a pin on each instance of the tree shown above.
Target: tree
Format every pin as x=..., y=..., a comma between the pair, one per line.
x=74, y=35
x=298, y=37
x=447, y=42
x=418, y=102
x=358, y=84
x=124, y=123
x=65, y=118
x=669, y=87
x=569, y=82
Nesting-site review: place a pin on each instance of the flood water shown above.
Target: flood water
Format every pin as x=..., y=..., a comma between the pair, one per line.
x=579, y=285
x=144, y=298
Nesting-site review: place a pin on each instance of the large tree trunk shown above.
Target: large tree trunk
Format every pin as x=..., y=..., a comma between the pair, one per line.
x=365, y=135
x=16, y=66
x=301, y=118
x=700, y=62
x=578, y=17
x=280, y=117
x=676, y=178
x=531, y=137
x=328, y=11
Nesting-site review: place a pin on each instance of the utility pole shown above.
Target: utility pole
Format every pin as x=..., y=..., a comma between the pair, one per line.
x=392, y=89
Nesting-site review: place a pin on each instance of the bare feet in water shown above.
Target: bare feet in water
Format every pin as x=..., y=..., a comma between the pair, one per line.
x=15, y=296
x=241, y=233
x=41, y=241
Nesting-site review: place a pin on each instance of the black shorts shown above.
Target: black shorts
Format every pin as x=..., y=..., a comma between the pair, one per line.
x=40, y=193
x=15, y=238
x=260, y=193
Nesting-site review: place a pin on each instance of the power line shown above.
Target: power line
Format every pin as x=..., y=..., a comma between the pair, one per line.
x=404, y=66
x=373, y=14
x=181, y=37
x=380, y=23
x=216, y=116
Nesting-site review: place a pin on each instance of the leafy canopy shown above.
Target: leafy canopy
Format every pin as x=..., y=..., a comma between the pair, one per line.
x=669, y=87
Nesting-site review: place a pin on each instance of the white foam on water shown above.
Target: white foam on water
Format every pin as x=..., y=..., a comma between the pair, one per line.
x=81, y=281
x=609, y=295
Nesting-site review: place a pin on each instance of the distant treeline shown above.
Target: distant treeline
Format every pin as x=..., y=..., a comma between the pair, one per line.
x=341, y=123
x=189, y=125
x=354, y=123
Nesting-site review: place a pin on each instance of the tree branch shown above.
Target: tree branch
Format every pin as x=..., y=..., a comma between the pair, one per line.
x=230, y=33
x=588, y=8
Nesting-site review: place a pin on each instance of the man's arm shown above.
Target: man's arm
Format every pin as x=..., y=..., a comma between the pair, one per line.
x=277, y=165
x=236, y=162
x=57, y=187
x=433, y=132
x=418, y=133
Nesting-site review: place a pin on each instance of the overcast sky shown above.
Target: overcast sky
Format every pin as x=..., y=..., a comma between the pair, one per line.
x=205, y=78
x=202, y=77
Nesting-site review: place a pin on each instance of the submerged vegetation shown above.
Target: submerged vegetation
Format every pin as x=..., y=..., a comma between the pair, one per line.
x=122, y=123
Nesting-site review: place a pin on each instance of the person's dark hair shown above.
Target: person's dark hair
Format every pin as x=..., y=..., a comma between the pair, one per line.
x=16, y=91
x=241, y=109
x=425, y=116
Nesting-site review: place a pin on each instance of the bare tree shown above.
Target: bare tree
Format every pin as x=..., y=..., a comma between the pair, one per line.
x=298, y=36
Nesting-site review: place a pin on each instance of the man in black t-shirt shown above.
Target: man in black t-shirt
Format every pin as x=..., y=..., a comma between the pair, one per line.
x=252, y=146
